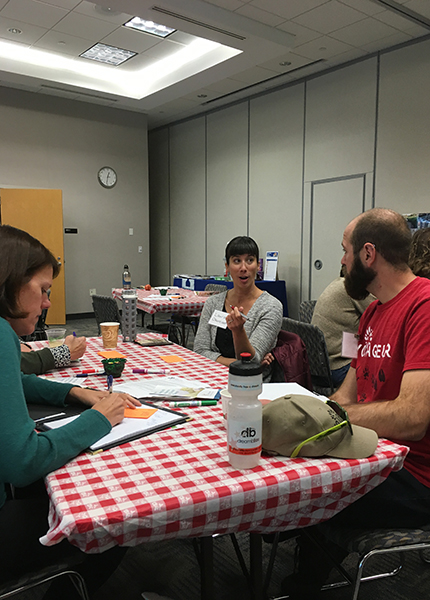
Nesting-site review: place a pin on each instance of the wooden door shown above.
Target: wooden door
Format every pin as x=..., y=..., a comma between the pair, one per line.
x=40, y=213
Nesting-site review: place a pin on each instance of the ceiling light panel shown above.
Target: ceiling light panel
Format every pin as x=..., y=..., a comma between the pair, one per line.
x=149, y=27
x=108, y=54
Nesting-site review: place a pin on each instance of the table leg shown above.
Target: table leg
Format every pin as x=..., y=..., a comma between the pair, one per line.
x=256, y=565
x=207, y=568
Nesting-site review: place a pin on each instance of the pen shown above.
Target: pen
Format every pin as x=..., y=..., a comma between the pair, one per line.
x=74, y=334
x=152, y=371
x=110, y=383
x=193, y=403
x=49, y=417
x=85, y=373
x=241, y=314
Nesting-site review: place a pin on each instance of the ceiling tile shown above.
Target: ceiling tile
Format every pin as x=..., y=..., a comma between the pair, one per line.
x=397, y=38
x=397, y=21
x=420, y=6
x=29, y=35
x=68, y=4
x=163, y=49
x=363, y=32
x=295, y=60
x=228, y=4
x=289, y=9
x=366, y=6
x=3, y=3
x=225, y=86
x=329, y=17
x=345, y=57
x=262, y=16
x=34, y=13
x=302, y=34
x=253, y=75
x=324, y=47
x=56, y=41
x=86, y=27
x=99, y=12
x=137, y=41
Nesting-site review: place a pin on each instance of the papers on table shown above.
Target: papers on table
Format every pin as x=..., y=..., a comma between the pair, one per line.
x=169, y=386
x=271, y=391
x=128, y=429
x=59, y=379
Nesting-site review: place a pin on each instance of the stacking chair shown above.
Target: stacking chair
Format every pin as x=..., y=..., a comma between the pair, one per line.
x=31, y=580
x=215, y=287
x=316, y=348
x=306, y=310
x=105, y=309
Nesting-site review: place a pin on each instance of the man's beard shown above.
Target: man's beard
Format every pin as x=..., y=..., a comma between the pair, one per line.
x=358, y=279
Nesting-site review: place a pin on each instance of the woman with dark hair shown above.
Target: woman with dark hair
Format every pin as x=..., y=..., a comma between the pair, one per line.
x=26, y=272
x=253, y=317
x=419, y=255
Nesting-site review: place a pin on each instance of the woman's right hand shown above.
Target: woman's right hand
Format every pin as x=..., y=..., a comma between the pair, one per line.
x=112, y=407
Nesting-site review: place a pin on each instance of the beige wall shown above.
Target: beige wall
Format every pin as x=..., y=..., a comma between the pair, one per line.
x=50, y=142
x=266, y=156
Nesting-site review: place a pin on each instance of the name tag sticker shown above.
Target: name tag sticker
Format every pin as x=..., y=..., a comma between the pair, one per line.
x=218, y=319
x=349, y=345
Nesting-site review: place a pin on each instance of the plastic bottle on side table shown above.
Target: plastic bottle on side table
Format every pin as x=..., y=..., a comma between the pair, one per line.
x=244, y=422
x=126, y=278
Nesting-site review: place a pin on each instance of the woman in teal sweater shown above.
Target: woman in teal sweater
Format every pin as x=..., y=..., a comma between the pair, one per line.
x=26, y=272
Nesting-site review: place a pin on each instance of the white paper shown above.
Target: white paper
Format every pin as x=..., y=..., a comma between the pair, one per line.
x=271, y=391
x=126, y=429
x=169, y=384
x=349, y=345
x=218, y=319
x=271, y=268
x=78, y=381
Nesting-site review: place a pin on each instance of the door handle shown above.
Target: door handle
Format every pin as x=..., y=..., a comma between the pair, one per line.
x=318, y=264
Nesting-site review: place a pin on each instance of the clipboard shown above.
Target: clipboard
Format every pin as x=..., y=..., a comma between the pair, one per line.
x=126, y=431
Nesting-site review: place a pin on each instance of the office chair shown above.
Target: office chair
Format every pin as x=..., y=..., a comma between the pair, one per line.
x=105, y=309
x=33, y=579
x=215, y=287
x=306, y=310
x=316, y=348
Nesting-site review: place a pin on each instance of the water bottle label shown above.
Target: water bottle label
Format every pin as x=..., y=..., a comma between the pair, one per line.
x=244, y=439
x=243, y=386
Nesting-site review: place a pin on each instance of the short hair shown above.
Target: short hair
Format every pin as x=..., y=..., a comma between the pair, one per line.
x=419, y=255
x=388, y=231
x=22, y=256
x=242, y=244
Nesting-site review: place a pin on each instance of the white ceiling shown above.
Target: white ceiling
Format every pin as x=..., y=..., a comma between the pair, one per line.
x=261, y=44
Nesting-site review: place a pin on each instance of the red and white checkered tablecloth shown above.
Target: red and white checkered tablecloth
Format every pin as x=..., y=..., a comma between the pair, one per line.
x=189, y=304
x=178, y=482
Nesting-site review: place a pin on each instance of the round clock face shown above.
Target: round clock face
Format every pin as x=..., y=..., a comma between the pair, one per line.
x=107, y=177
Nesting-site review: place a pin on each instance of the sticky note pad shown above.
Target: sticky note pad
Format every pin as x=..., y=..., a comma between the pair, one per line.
x=172, y=358
x=111, y=354
x=139, y=413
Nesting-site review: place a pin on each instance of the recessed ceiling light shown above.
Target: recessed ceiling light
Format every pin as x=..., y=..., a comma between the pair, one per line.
x=14, y=30
x=202, y=95
x=285, y=63
x=108, y=54
x=149, y=27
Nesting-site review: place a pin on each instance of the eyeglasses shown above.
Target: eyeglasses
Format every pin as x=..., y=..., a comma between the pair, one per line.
x=341, y=412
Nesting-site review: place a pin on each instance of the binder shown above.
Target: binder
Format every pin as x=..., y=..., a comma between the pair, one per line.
x=126, y=431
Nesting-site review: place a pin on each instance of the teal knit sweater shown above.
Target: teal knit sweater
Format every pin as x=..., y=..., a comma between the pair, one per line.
x=25, y=455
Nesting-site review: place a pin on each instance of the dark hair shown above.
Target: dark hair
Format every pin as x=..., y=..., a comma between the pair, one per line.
x=388, y=231
x=242, y=244
x=419, y=256
x=21, y=257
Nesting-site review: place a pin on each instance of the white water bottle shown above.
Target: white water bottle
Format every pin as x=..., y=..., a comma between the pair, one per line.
x=126, y=278
x=244, y=422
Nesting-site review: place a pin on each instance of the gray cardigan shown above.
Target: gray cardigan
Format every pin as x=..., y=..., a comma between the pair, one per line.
x=262, y=327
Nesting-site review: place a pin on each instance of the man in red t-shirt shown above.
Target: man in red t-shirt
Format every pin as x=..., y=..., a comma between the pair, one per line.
x=386, y=389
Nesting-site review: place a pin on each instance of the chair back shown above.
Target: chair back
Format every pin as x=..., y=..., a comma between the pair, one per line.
x=105, y=309
x=291, y=361
x=306, y=310
x=215, y=287
x=316, y=348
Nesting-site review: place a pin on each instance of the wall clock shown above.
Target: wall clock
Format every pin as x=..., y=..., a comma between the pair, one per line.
x=107, y=177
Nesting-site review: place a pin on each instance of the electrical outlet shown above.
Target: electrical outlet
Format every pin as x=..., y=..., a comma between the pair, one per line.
x=93, y=292
x=139, y=249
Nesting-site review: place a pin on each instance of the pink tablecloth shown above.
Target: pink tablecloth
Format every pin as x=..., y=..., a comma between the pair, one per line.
x=178, y=483
x=189, y=303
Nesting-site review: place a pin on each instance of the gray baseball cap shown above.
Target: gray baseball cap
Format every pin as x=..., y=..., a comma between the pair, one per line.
x=289, y=423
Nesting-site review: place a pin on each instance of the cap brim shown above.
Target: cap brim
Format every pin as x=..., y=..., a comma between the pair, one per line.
x=361, y=444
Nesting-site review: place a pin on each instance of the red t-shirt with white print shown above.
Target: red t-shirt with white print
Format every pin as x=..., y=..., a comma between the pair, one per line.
x=394, y=337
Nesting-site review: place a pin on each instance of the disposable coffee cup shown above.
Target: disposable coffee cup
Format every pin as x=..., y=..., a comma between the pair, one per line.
x=109, y=334
x=225, y=397
x=55, y=337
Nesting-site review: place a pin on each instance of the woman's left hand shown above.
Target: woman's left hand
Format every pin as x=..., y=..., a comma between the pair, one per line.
x=268, y=359
x=91, y=397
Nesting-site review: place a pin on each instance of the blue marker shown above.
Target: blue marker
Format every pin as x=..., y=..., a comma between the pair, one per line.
x=110, y=383
x=74, y=334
